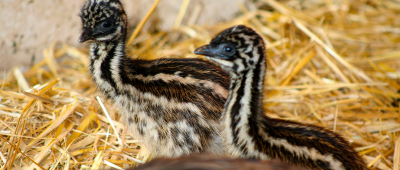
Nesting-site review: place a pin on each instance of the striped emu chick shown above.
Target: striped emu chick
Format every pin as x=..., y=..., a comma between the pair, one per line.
x=251, y=134
x=213, y=162
x=172, y=105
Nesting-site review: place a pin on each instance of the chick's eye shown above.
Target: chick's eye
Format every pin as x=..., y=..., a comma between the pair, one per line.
x=228, y=49
x=106, y=24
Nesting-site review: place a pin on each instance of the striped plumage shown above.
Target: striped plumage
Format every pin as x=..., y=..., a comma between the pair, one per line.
x=172, y=105
x=251, y=134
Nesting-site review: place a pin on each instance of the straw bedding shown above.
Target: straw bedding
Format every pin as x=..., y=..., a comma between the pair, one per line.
x=333, y=64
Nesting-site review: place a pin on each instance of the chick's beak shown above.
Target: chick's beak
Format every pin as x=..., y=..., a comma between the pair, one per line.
x=204, y=50
x=86, y=35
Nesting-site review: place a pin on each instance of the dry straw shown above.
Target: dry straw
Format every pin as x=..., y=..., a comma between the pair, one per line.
x=330, y=63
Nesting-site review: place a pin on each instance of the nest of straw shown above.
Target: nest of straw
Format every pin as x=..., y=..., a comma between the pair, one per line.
x=332, y=64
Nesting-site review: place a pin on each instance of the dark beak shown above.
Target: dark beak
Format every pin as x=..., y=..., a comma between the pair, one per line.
x=204, y=50
x=213, y=53
x=86, y=35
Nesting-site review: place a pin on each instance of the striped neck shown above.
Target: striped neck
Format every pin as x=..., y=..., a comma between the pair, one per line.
x=105, y=63
x=106, y=51
x=244, y=103
x=101, y=50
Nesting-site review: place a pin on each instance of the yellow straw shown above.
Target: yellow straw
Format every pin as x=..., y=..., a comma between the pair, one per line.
x=140, y=26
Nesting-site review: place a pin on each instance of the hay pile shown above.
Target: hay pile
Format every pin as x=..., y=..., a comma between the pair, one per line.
x=331, y=64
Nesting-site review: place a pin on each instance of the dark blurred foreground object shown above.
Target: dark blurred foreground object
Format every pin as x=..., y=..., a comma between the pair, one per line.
x=208, y=162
